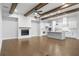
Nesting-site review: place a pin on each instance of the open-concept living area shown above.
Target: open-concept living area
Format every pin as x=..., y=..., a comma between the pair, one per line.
x=39, y=29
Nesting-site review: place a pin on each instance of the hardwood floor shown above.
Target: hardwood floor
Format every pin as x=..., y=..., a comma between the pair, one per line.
x=40, y=46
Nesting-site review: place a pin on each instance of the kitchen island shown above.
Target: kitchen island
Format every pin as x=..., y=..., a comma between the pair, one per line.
x=56, y=35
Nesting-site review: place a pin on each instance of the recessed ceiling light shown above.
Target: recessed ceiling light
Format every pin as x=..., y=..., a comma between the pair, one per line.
x=58, y=11
x=15, y=11
x=65, y=5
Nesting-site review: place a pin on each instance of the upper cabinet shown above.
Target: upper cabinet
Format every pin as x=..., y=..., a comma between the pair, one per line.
x=72, y=22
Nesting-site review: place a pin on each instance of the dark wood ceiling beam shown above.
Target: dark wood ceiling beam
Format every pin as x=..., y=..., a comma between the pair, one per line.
x=58, y=8
x=40, y=5
x=13, y=6
x=63, y=13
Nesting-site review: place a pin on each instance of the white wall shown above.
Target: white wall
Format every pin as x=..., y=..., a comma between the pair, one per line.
x=0, y=27
x=35, y=31
x=10, y=28
x=38, y=27
x=77, y=17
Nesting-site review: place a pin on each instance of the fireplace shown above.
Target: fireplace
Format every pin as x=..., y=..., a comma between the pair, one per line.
x=24, y=32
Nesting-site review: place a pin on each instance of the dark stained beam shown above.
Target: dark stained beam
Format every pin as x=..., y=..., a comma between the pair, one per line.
x=58, y=8
x=13, y=6
x=40, y=5
x=63, y=13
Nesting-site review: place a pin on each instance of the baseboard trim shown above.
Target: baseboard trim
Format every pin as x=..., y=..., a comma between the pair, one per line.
x=56, y=39
x=71, y=38
x=9, y=38
x=30, y=37
x=24, y=37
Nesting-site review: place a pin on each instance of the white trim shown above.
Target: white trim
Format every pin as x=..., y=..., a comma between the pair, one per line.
x=10, y=38
x=0, y=45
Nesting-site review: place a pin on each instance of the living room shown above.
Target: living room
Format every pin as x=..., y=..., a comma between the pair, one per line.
x=39, y=29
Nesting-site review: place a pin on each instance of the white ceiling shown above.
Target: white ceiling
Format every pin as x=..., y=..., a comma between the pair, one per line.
x=59, y=17
x=23, y=8
x=70, y=8
x=49, y=6
x=5, y=9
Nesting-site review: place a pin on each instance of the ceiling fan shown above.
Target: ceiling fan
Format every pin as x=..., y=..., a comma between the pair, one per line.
x=36, y=13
